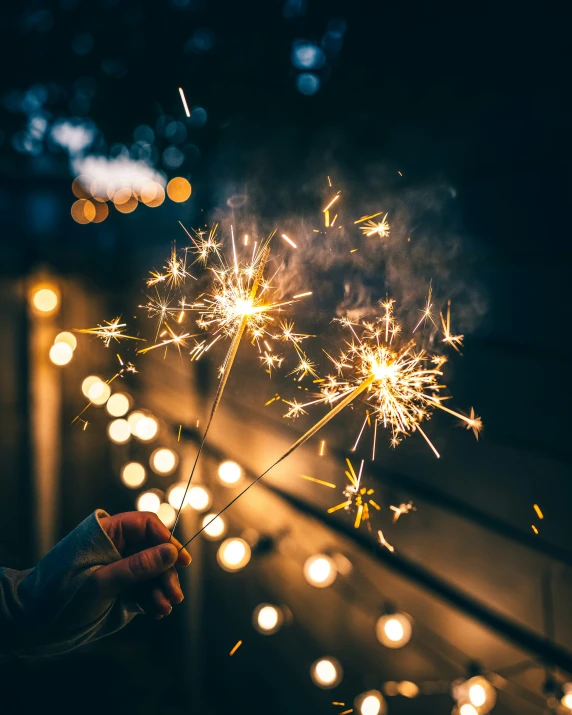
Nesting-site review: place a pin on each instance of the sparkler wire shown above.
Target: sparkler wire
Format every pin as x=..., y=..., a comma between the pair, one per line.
x=350, y=397
x=228, y=361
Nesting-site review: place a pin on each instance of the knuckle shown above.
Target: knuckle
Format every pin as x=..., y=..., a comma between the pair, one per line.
x=141, y=563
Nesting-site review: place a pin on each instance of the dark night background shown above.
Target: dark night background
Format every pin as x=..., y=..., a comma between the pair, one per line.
x=459, y=118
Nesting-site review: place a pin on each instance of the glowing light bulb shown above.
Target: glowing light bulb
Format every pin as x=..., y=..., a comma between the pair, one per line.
x=326, y=673
x=214, y=528
x=68, y=338
x=468, y=709
x=119, y=431
x=267, y=619
x=146, y=428
x=476, y=692
x=163, y=461
x=148, y=501
x=133, y=474
x=61, y=354
x=175, y=495
x=118, y=405
x=370, y=703
x=166, y=514
x=229, y=473
x=45, y=300
x=199, y=498
x=394, y=630
x=320, y=571
x=98, y=392
x=477, y=695
x=567, y=700
x=87, y=384
x=233, y=554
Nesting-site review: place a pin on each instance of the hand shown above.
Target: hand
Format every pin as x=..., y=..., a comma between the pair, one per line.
x=146, y=574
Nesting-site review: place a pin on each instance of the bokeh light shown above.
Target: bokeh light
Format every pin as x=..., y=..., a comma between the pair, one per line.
x=61, y=354
x=326, y=673
x=408, y=689
x=233, y=554
x=167, y=514
x=146, y=429
x=199, y=497
x=393, y=630
x=307, y=83
x=370, y=703
x=67, y=338
x=175, y=495
x=179, y=189
x=163, y=461
x=214, y=527
x=229, y=473
x=96, y=390
x=119, y=431
x=149, y=501
x=83, y=211
x=267, y=619
x=320, y=571
x=118, y=405
x=133, y=474
x=152, y=194
x=45, y=300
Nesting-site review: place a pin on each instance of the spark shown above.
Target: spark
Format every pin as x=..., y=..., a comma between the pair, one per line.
x=177, y=340
x=404, y=381
x=332, y=202
x=179, y=435
x=371, y=228
x=184, y=100
x=111, y=330
x=454, y=341
x=538, y=511
x=534, y=529
x=358, y=498
x=384, y=542
x=235, y=648
x=203, y=247
x=302, y=295
x=426, y=313
x=318, y=481
x=403, y=508
x=289, y=240
x=322, y=448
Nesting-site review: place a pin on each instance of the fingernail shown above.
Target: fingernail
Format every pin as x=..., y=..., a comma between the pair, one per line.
x=186, y=557
x=168, y=554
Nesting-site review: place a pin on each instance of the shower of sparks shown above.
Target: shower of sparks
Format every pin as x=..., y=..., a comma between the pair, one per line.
x=358, y=498
x=175, y=271
x=317, y=481
x=371, y=228
x=289, y=240
x=111, y=330
x=384, y=542
x=202, y=247
x=404, y=381
x=235, y=648
x=454, y=341
x=169, y=339
x=538, y=511
x=403, y=508
x=184, y=101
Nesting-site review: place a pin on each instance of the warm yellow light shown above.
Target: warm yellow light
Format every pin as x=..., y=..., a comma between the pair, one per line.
x=118, y=405
x=233, y=554
x=167, y=514
x=121, y=196
x=119, y=431
x=134, y=418
x=214, y=527
x=67, y=338
x=477, y=695
x=152, y=194
x=133, y=475
x=83, y=211
x=178, y=189
x=45, y=300
x=326, y=673
x=320, y=571
x=99, y=393
x=267, y=619
x=567, y=700
x=229, y=473
x=370, y=703
x=394, y=630
x=468, y=709
x=408, y=689
x=175, y=496
x=61, y=354
x=126, y=206
x=149, y=501
x=163, y=461
x=87, y=384
x=199, y=498
x=146, y=428
x=476, y=692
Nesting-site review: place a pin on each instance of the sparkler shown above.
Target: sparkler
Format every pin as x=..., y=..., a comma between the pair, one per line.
x=401, y=385
x=111, y=330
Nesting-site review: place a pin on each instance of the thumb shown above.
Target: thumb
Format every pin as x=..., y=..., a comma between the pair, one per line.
x=134, y=569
